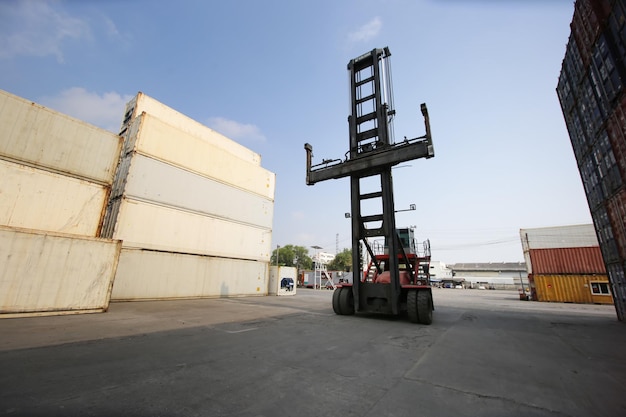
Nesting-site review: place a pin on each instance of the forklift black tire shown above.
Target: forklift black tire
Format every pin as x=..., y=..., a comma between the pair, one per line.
x=346, y=301
x=336, y=305
x=411, y=306
x=424, y=307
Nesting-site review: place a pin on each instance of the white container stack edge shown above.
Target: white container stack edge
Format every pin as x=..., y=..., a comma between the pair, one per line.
x=186, y=195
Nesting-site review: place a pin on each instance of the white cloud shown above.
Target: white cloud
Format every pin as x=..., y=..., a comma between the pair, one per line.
x=235, y=130
x=34, y=28
x=366, y=32
x=105, y=111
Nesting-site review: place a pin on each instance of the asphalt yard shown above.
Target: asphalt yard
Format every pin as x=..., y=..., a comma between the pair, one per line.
x=486, y=354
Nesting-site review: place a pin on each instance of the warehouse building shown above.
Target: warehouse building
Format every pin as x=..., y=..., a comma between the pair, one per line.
x=565, y=265
x=591, y=92
x=489, y=275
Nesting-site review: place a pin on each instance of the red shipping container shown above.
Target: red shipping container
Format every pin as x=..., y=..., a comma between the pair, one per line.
x=582, y=260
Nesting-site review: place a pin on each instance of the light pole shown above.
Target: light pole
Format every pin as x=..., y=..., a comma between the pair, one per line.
x=317, y=268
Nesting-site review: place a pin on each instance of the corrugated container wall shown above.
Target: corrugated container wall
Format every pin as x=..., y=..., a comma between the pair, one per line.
x=194, y=203
x=36, y=199
x=56, y=174
x=46, y=273
x=148, y=275
x=591, y=93
x=40, y=137
x=578, y=261
x=571, y=288
x=142, y=103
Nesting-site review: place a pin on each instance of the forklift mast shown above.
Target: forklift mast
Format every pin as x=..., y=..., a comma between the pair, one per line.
x=371, y=155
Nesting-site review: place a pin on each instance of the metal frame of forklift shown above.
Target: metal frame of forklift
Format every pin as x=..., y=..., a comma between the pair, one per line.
x=372, y=154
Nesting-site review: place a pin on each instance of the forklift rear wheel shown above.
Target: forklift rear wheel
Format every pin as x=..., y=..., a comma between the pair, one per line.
x=424, y=307
x=411, y=306
x=336, y=294
x=346, y=301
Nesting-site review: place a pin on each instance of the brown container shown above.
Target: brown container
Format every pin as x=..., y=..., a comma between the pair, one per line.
x=581, y=260
x=573, y=288
x=616, y=209
x=617, y=140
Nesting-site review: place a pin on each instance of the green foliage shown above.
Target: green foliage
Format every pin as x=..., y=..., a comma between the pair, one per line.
x=342, y=261
x=291, y=255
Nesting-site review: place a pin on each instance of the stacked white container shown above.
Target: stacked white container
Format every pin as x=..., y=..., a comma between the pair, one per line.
x=56, y=174
x=193, y=208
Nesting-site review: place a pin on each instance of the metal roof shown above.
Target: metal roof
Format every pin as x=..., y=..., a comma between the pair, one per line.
x=490, y=266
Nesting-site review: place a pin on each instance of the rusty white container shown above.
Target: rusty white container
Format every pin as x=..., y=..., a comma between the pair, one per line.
x=156, y=181
x=38, y=136
x=146, y=225
x=47, y=274
x=574, y=236
x=142, y=103
x=146, y=274
x=151, y=136
x=37, y=199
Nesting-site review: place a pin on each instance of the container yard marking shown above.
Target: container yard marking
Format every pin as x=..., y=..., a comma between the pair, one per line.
x=240, y=331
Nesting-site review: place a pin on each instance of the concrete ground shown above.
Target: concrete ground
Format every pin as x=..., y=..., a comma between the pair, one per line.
x=486, y=354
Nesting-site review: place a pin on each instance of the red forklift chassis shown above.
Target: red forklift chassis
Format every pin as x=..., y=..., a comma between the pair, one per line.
x=397, y=280
x=375, y=290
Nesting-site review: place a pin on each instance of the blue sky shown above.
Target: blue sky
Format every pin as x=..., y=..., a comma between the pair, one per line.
x=272, y=75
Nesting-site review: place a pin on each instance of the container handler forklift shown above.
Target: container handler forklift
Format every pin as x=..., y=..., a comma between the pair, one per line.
x=397, y=280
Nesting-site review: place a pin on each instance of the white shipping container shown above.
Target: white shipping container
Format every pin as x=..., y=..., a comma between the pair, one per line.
x=44, y=274
x=141, y=103
x=145, y=274
x=150, y=226
x=575, y=236
x=37, y=199
x=153, y=137
x=278, y=275
x=156, y=181
x=42, y=137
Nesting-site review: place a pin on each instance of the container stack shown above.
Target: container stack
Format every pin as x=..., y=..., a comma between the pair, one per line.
x=56, y=177
x=193, y=208
x=565, y=265
x=591, y=93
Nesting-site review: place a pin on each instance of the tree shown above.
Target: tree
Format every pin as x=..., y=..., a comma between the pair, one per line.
x=342, y=261
x=290, y=255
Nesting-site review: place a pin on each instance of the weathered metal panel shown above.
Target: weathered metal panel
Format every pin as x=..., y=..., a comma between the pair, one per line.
x=176, y=146
x=569, y=288
x=44, y=273
x=559, y=237
x=142, y=103
x=151, y=226
x=616, y=211
x=37, y=199
x=146, y=274
x=156, y=181
x=42, y=137
x=587, y=260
